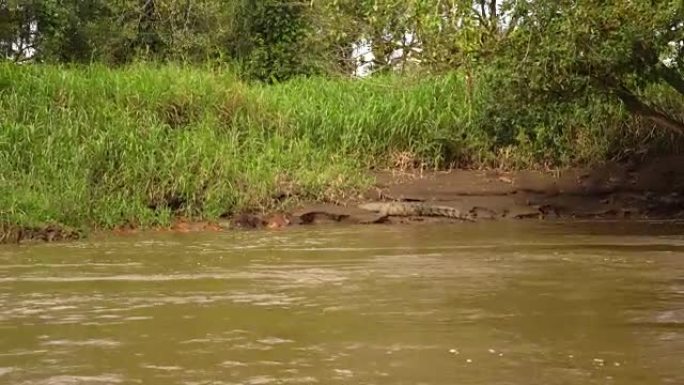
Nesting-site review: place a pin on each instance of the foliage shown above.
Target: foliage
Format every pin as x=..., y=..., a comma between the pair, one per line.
x=274, y=40
x=92, y=146
x=567, y=51
x=439, y=34
x=269, y=37
x=490, y=83
x=118, y=31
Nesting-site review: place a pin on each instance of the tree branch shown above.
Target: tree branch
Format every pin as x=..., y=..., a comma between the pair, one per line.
x=492, y=9
x=647, y=57
x=671, y=77
x=483, y=12
x=637, y=107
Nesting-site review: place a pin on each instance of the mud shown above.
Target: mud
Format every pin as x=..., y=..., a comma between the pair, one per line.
x=48, y=233
x=652, y=190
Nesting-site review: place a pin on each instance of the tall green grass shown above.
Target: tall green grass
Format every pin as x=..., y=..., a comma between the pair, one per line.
x=99, y=147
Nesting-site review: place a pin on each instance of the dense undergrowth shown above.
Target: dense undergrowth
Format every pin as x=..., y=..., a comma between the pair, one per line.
x=99, y=147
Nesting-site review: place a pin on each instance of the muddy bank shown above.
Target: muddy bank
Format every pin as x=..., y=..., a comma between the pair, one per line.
x=48, y=233
x=652, y=190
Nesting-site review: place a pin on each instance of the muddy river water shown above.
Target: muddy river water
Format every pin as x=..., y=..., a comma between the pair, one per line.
x=495, y=303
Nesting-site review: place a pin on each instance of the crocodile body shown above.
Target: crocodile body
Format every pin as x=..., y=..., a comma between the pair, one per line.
x=418, y=209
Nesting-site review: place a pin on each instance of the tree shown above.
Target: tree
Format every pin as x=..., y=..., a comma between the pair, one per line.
x=565, y=49
x=273, y=39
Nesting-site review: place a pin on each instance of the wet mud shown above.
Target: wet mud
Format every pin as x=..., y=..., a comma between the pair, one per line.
x=652, y=190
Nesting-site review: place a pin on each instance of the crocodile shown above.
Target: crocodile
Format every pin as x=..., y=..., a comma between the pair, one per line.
x=419, y=209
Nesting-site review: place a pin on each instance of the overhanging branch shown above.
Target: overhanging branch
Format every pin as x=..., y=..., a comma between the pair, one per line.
x=672, y=77
x=637, y=107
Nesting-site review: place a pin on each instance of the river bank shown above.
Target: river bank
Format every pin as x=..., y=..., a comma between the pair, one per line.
x=90, y=148
x=651, y=190
x=648, y=191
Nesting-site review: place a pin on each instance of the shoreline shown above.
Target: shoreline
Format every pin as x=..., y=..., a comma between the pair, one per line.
x=650, y=191
x=97, y=148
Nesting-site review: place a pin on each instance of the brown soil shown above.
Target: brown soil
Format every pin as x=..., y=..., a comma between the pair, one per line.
x=652, y=190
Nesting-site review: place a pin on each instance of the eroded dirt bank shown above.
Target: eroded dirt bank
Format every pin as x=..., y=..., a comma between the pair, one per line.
x=652, y=190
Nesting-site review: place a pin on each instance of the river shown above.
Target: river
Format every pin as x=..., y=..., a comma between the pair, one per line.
x=492, y=303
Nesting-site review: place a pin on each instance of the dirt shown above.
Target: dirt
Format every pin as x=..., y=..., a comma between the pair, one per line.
x=651, y=190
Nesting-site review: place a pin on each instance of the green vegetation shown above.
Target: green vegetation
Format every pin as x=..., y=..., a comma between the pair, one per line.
x=139, y=145
x=134, y=112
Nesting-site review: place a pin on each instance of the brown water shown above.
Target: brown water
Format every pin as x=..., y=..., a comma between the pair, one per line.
x=463, y=304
